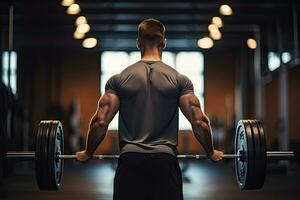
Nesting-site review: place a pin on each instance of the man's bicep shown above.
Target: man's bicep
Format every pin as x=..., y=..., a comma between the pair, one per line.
x=108, y=106
x=190, y=106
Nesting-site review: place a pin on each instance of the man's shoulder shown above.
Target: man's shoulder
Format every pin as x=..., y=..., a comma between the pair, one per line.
x=163, y=64
x=167, y=69
x=131, y=68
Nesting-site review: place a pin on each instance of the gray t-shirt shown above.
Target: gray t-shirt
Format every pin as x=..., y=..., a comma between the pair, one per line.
x=149, y=94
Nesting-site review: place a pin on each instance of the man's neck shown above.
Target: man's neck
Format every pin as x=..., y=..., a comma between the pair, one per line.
x=152, y=55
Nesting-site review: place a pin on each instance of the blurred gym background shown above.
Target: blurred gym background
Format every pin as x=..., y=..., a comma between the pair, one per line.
x=242, y=57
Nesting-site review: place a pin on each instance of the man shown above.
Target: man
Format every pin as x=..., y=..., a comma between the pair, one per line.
x=147, y=94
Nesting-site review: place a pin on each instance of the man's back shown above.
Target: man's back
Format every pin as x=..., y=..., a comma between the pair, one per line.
x=149, y=94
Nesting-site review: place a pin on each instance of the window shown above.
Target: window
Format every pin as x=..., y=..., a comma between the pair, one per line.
x=286, y=57
x=274, y=59
x=13, y=70
x=188, y=63
x=191, y=64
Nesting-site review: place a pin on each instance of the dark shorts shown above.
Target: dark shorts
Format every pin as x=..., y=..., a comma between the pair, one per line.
x=148, y=176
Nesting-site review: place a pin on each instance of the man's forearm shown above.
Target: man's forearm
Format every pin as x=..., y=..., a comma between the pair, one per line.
x=96, y=134
x=204, y=136
x=190, y=106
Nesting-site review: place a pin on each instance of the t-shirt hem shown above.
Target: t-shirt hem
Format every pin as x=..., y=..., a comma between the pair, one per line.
x=136, y=149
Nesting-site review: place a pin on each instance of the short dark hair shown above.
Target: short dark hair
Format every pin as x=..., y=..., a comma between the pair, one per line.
x=151, y=32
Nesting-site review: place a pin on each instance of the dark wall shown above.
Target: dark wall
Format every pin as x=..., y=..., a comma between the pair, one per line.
x=294, y=103
x=220, y=83
x=272, y=107
x=80, y=74
x=271, y=124
x=50, y=78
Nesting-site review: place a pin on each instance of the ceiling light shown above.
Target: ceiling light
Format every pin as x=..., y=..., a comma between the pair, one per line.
x=83, y=28
x=89, y=43
x=80, y=20
x=225, y=10
x=205, y=43
x=213, y=28
x=67, y=2
x=73, y=9
x=78, y=35
x=215, y=35
x=217, y=21
x=251, y=43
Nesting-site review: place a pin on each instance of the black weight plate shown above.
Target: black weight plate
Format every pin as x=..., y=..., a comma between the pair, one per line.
x=241, y=166
x=250, y=154
x=42, y=128
x=263, y=154
x=257, y=154
x=50, y=157
x=59, y=149
x=37, y=153
x=54, y=148
x=244, y=166
x=44, y=160
x=45, y=168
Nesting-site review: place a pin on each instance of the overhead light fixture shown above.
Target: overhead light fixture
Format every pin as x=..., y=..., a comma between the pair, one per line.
x=83, y=28
x=213, y=28
x=78, y=35
x=205, y=43
x=80, y=20
x=214, y=32
x=73, y=9
x=215, y=35
x=217, y=21
x=225, y=10
x=67, y=2
x=251, y=43
x=89, y=43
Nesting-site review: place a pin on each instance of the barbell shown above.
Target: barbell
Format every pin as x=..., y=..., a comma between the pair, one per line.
x=250, y=155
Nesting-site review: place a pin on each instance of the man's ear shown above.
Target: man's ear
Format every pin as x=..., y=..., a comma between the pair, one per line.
x=164, y=43
x=138, y=44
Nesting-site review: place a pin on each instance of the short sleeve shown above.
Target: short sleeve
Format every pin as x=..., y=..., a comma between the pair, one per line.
x=185, y=85
x=112, y=84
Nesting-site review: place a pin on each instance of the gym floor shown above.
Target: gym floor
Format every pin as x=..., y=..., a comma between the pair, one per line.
x=202, y=180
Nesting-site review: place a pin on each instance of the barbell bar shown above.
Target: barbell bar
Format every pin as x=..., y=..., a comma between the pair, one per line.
x=31, y=155
x=250, y=155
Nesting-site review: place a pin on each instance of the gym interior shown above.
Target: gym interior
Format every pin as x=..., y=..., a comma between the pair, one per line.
x=242, y=57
